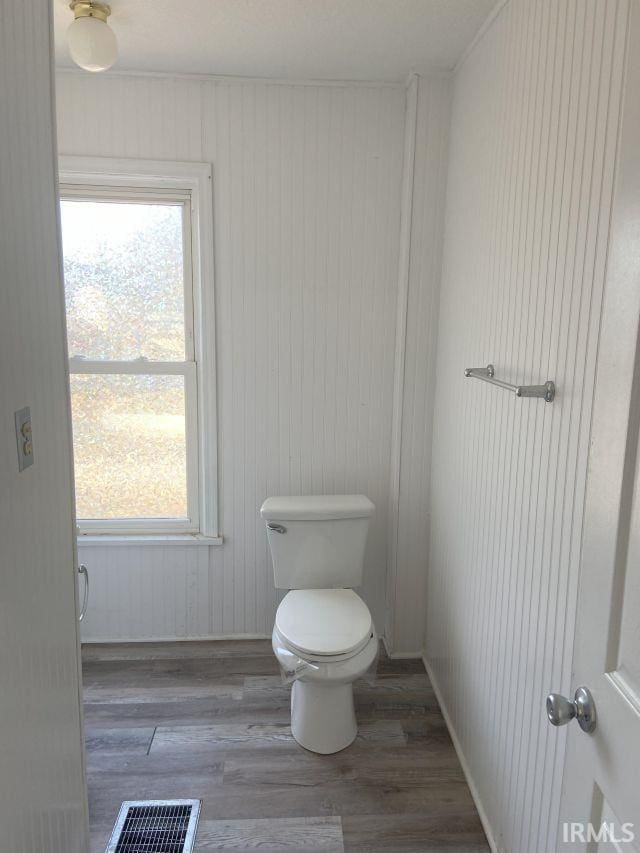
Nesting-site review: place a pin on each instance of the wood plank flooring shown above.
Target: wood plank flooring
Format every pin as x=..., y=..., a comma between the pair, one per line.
x=211, y=721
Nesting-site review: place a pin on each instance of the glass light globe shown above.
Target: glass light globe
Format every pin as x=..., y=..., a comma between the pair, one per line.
x=92, y=44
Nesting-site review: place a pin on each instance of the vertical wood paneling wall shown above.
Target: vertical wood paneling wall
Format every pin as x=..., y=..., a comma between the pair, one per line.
x=533, y=142
x=42, y=800
x=306, y=206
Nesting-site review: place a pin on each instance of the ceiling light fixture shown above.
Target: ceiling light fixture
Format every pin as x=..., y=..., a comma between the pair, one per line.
x=92, y=43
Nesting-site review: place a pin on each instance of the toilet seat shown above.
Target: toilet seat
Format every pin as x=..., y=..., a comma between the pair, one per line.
x=279, y=642
x=324, y=623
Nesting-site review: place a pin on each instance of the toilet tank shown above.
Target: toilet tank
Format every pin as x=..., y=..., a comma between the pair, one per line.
x=317, y=541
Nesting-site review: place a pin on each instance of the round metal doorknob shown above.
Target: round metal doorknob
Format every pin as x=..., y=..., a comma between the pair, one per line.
x=561, y=710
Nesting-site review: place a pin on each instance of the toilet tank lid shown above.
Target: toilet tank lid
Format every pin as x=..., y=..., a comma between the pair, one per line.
x=312, y=507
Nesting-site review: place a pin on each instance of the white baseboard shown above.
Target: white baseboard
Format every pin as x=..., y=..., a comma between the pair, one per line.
x=488, y=830
x=399, y=655
x=205, y=638
x=210, y=637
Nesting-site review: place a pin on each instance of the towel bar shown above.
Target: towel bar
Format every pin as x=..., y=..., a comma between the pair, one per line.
x=487, y=374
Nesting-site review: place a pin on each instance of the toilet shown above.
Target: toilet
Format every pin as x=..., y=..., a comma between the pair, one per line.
x=323, y=637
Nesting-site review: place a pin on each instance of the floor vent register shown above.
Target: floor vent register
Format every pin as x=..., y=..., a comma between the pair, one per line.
x=155, y=826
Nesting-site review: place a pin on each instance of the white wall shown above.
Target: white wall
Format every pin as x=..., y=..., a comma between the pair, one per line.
x=306, y=197
x=42, y=805
x=533, y=139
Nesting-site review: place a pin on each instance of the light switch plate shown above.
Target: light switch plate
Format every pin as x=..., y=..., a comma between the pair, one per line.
x=24, y=438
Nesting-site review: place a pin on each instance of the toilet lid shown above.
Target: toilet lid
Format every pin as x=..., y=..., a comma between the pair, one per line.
x=323, y=621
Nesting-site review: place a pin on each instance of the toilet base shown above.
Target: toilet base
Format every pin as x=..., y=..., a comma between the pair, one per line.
x=323, y=718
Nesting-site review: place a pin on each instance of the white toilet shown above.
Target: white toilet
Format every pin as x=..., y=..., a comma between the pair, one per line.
x=323, y=634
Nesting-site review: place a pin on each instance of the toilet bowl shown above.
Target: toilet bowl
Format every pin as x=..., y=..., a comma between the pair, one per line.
x=324, y=640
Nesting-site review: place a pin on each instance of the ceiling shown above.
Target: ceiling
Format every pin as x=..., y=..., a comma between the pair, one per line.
x=294, y=39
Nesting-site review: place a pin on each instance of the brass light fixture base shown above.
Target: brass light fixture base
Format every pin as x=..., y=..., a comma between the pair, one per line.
x=90, y=9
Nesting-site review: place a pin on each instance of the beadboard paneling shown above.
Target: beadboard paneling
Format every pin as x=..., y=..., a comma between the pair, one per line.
x=43, y=803
x=533, y=139
x=306, y=208
x=408, y=562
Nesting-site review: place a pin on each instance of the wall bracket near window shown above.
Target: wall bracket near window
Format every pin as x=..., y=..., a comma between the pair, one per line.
x=547, y=392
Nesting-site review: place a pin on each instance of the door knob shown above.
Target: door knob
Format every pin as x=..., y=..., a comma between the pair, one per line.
x=561, y=710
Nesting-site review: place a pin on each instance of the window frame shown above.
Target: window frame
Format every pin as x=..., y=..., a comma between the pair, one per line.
x=188, y=184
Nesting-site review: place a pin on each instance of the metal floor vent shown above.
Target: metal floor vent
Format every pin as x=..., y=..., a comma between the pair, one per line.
x=155, y=826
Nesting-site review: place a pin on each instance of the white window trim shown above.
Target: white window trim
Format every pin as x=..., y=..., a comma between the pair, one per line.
x=196, y=180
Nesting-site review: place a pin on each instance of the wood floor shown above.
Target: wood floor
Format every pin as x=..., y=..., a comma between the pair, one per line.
x=211, y=721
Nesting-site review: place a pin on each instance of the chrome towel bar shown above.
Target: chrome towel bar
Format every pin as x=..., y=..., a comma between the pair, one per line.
x=547, y=391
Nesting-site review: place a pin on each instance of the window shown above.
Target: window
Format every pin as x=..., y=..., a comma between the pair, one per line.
x=140, y=352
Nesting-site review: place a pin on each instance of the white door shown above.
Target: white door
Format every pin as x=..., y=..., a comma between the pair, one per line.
x=601, y=783
x=43, y=806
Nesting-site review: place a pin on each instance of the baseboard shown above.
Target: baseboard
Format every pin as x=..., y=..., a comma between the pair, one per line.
x=200, y=637
x=211, y=637
x=488, y=831
x=399, y=655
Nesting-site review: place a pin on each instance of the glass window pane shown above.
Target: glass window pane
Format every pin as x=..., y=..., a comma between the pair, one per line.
x=124, y=280
x=129, y=446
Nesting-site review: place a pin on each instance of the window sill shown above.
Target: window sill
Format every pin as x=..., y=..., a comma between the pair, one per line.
x=93, y=539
